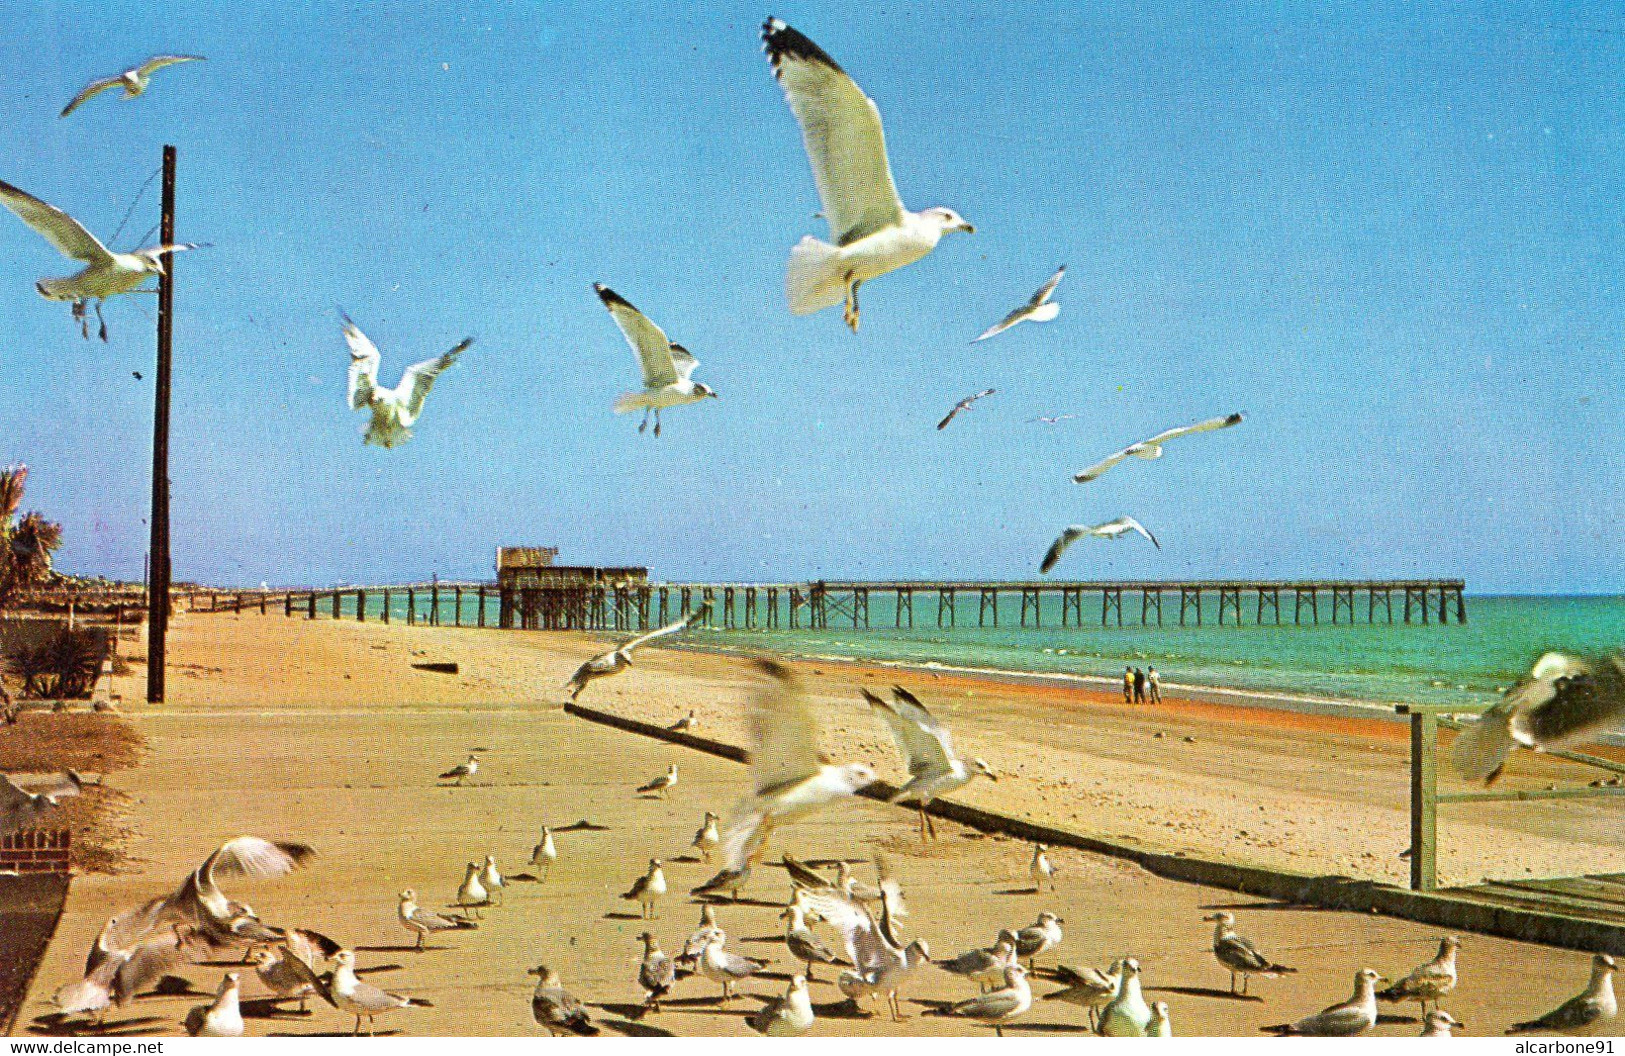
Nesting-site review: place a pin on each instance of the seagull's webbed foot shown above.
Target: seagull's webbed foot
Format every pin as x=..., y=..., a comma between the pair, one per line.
x=101, y=323
x=657, y=433
x=851, y=311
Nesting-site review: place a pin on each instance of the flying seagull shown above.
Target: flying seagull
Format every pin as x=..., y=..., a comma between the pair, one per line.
x=106, y=273
x=1039, y=309
x=668, y=368
x=394, y=411
x=1052, y=419
x=1562, y=700
x=1110, y=530
x=789, y=777
x=1152, y=448
x=20, y=807
x=620, y=658
x=133, y=81
x=964, y=405
x=840, y=127
x=928, y=749
x=201, y=906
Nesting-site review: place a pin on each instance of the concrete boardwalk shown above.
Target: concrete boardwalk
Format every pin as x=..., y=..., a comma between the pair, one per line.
x=293, y=733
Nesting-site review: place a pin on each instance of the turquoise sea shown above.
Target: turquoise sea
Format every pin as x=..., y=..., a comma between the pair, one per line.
x=1451, y=664
x=1455, y=664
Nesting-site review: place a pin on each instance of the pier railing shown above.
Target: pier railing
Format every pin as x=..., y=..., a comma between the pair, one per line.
x=863, y=605
x=1425, y=721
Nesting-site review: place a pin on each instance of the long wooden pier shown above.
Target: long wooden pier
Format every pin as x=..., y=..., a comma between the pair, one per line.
x=864, y=605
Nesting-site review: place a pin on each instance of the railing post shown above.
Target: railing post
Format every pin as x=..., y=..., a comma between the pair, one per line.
x=1424, y=799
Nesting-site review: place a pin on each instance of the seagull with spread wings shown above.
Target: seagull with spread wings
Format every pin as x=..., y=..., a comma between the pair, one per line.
x=20, y=807
x=789, y=778
x=1038, y=309
x=1152, y=448
x=200, y=906
x=1562, y=700
x=134, y=81
x=1052, y=419
x=964, y=405
x=928, y=749
x=668, y=368
x=881, y=962
x=620, y=658
x=394, y=411
x=1110, y=530
x=106, y=273
x=840, y=126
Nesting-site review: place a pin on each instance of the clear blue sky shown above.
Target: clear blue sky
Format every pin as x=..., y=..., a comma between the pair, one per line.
x=1390, y=233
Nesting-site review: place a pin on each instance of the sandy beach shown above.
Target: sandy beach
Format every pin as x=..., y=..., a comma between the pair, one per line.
x=324, y=732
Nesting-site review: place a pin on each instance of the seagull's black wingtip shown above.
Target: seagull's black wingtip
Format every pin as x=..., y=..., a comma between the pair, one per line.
x=610, y=297
x=1234, y=419
x=781, y=41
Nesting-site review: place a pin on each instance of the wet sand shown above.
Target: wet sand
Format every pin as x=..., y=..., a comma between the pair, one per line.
x=324, y=732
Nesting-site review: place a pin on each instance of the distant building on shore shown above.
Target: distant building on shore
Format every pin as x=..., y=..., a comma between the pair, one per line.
x=519, y=567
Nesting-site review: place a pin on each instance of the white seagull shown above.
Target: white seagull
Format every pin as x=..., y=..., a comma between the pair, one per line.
x=668, y=368
x=1152, y=448
x=620, y=658
x=874, y=234
x=789, y=778
x=964, y=405
x=105, y=274
x=1343, y=1020
x=1039, y=309
x=134, y=80
x=20, y=808
x=222, y=1017
x=928, y=749
x=1590, y=1013
x=394, y=411
x=1563, y=699
x=998, y=1007
x=1110, y=530
x=881, y=963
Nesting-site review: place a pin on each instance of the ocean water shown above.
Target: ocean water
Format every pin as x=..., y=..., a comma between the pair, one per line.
x=1452, y=664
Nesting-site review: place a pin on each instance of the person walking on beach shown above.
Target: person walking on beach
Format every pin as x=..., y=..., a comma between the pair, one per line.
x=1128, y=685
x=1153, y=686
x=1139, y=686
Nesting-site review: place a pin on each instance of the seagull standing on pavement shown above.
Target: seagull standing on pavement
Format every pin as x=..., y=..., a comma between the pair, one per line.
x=998, y=1007
x=786, y=1017
x=105, y=274
x=1239, y=955
x=1563, y=699
x=554, y=1008
x=1594, y=1012
x=491, y=879
x=1430, y=981
x=803, y=945
x=362, y=999
x=984, y=967
x=1041, y=936
x=1041, y=870
x=1038, y=309
x=667, y=367
x=1090, y=989
x=1126, y=1015
x=725, y=967
x=928, y=749
x=708, y=838
x=1152, y=448
x=620, y=658
x=544, y=854
x=789, y=778
x=840, y=127
x=647, y=889
x=1109, y=530
x=1343, y=1020
x=423, y=922
x=471, y=895
x=656, y=972
x=659, y=785
x=134, y=81
x=392, y=412
x=1159, y=1026
x=221, y=1018
x=462, y=771
x=964, y=405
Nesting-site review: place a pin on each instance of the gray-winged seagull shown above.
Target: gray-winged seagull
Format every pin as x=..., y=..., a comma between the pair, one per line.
x=393, y=411
x=668, y=367
x=134, y=81
x=928, y=749
x=1563, y=699
x=1152, y=448
x=1113, y=529
x=1038, y=309
x=840, y=126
